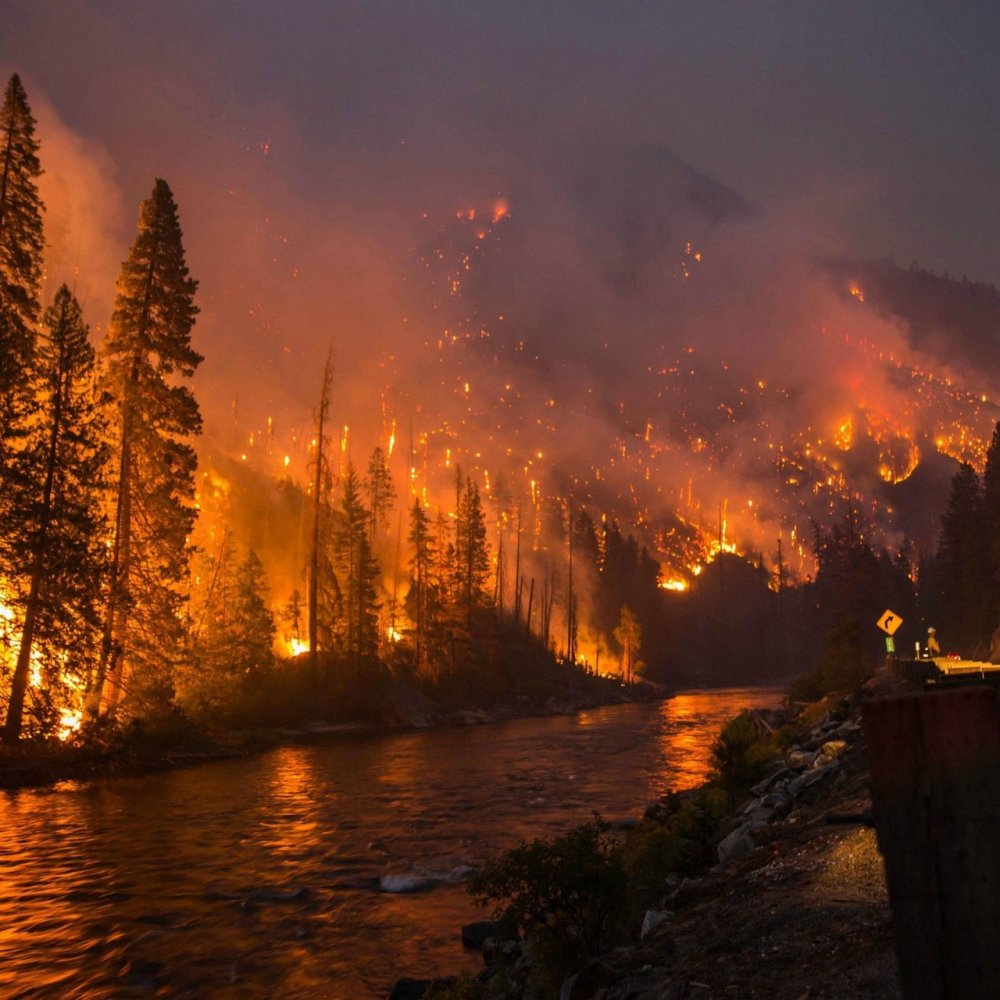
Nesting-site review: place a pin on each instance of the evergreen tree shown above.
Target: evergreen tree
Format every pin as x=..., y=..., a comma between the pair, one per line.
x=472, y=559
x=381, y=493
x=991, y=524
x=963, y=564
x=628, y=635
x=358, y=570
x=53, y=516
x=233, y=635
x=147, y=351
x=421, y=544
x=21, y=247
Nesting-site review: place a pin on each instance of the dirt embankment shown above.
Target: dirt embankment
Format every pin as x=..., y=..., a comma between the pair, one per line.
x=796, y=909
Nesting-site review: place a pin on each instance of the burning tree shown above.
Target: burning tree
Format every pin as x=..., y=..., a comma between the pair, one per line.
x=53, y=515
x=232, y=634
x=148, y=348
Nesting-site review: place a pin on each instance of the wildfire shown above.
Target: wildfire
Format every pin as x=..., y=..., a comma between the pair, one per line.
x=296, y=647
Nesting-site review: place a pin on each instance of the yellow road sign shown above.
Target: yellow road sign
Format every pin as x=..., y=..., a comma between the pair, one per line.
x=889, y=622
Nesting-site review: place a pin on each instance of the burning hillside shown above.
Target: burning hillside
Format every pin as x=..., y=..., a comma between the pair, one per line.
x=666, y=358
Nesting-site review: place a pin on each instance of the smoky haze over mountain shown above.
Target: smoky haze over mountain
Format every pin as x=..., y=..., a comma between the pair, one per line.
x=521, y=229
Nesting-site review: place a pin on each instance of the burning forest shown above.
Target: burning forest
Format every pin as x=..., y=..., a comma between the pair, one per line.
x=603, y=399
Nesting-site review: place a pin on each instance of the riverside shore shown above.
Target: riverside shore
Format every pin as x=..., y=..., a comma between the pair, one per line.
x=138, y=751
x=796, y=909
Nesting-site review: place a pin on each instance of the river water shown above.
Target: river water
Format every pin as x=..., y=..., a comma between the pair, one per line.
x=320, y=870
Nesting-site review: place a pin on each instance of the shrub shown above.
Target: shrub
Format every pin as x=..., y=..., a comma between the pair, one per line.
x=566, y=893
x=740, y=755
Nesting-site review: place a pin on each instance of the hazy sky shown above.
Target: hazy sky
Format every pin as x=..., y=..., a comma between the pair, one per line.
x=899, y=101
x=319, y=152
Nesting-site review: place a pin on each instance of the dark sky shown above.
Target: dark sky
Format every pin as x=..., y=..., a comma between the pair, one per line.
x=897, y=102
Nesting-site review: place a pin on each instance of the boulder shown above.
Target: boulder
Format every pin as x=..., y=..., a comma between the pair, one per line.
x=474, y=934
x=406, y=988
x=833, y=748
x=686, y=893
x=407, y=707
x=590, y=982
x=501, y=950
x=736, y=845
x=801, y=759
x=651, y=920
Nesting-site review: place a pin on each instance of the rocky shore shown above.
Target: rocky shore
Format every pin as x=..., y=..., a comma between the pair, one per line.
x=795, y=909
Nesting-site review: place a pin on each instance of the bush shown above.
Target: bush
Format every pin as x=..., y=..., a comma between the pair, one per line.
x=741, y=755
x=682, y=844
x=566, y=894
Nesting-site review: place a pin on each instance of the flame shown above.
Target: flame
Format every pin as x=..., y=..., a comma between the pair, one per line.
x=296, y=647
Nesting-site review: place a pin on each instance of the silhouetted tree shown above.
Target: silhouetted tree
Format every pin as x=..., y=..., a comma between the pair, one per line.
x=146, y=353
x=21, y=247
x=53, y=523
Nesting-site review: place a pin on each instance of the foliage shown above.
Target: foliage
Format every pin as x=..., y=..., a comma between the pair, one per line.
x=21, y=247
x=232, y=636
x=683, y=843
x=52, y=548
x=740, y=755
x=566, y=892
x=147, y=349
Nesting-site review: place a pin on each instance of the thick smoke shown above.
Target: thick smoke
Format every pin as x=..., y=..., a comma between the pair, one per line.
x=595, y=318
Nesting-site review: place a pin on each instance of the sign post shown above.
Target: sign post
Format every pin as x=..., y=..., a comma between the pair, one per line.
x=889, y=622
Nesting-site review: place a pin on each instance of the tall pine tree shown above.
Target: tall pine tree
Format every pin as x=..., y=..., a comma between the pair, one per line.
x=147, y=353
x=55, y=483
x=21, y=246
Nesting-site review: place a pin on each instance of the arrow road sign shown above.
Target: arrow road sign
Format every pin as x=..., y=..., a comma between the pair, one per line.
x=889, y=622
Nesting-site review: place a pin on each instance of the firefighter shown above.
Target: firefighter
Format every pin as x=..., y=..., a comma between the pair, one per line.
x=933, y=648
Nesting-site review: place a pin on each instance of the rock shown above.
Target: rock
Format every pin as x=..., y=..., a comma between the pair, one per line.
x=476, y=933
x=780, y=775
x=800, y=759
x=469, y=717
x=408, y=989
x=590, y=982
x=407, y=707
x=501, y=950
x=737, y=845
x=686, y=893
x=833, y=749
x=759, y=816
x=651, y=919
x=657, y=811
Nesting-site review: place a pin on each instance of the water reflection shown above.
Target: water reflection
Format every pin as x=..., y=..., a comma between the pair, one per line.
x=691, y=723
x=267, y=876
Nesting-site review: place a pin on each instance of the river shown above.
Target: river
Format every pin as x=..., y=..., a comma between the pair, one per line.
x=319, y=870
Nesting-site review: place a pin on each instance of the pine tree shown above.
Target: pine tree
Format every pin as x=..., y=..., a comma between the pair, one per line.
x=962, y=564
x=147, y=351
x=358, y=570
x=53, y=517
x=418, y=599
x=381, y=493
x=21, y=247
x=991, y=523
x=628, y=635
x=472, y=559
x=233, y=635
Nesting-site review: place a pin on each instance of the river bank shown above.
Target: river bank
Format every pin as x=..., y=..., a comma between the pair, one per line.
x=138, y=749
x=795, y=909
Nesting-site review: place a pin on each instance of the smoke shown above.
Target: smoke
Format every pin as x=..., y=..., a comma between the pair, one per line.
x=573, y=312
